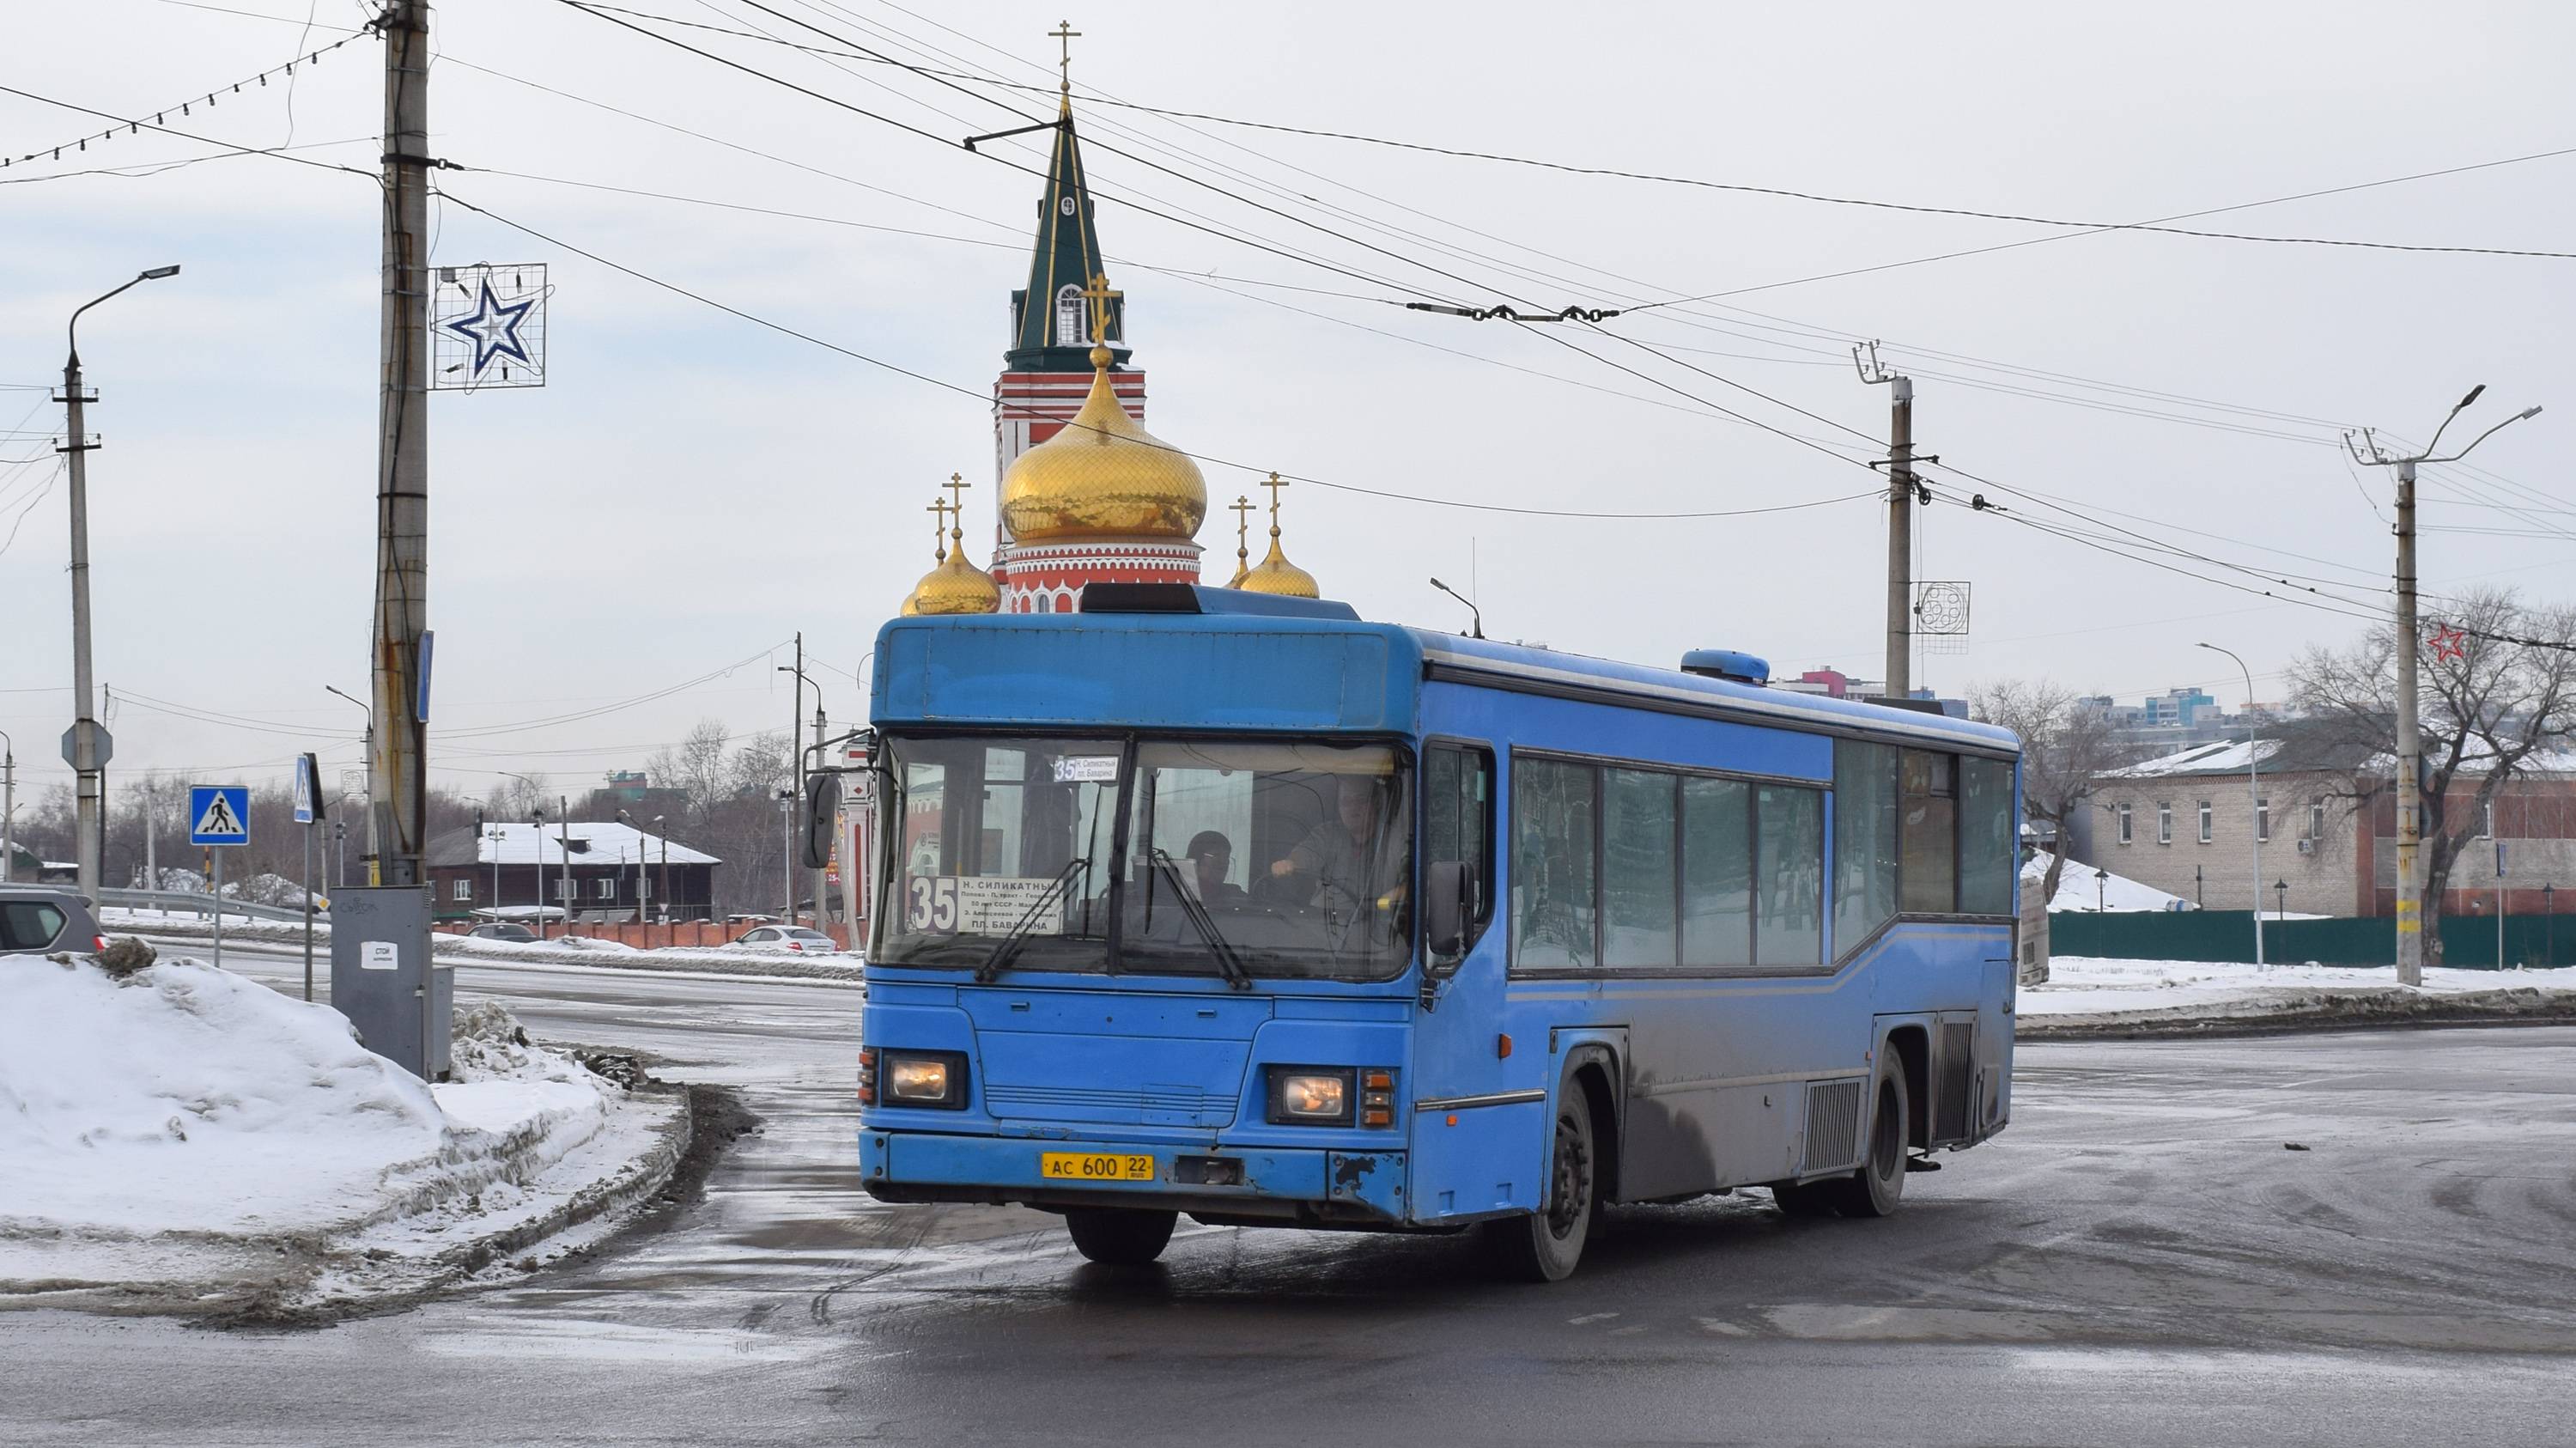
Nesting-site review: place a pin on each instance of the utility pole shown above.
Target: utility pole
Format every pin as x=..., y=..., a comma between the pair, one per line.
x=820, y=884
x=8, y=803
x=396, y=762
x=87, y=747
x=1900, y=520
x=2410, y=749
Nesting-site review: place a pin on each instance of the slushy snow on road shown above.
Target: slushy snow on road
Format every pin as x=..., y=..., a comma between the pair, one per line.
x=184, y=1137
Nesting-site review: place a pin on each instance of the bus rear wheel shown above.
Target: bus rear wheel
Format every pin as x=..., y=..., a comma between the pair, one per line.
x=1879, y=1186
x=1119, y=1236
x=1546, y=1245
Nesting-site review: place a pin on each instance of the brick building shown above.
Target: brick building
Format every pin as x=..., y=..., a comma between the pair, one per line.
x=2186, y=823
x=613, y=872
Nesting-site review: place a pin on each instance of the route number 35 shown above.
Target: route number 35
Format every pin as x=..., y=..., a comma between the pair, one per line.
x=932, y=904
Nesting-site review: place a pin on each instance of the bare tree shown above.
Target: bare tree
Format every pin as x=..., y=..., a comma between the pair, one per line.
x=2066, y=751
x=2506, y=693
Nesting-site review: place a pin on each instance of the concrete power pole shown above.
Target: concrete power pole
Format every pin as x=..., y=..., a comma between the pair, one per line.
x=2410, y=749
x=397, y=759
x=821, y=914
x=86, y=748
x=1900, y=521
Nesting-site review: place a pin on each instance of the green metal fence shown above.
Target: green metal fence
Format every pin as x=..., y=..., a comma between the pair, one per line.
x=2468, y=942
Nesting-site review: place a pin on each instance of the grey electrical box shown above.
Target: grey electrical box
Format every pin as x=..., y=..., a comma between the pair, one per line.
x=383, y=980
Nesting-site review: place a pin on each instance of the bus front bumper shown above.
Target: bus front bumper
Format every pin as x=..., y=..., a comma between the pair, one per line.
x=1293, y=1187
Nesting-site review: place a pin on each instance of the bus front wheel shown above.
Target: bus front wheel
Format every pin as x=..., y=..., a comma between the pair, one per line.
x=1545, y=1246
x=1119, y=1236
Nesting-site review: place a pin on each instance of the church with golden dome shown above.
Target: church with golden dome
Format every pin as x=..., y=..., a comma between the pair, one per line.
x=1084, y=493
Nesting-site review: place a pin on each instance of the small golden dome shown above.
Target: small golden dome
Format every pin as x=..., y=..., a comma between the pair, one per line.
x=954, y=585
x=1274, y=573
x=1102, y=476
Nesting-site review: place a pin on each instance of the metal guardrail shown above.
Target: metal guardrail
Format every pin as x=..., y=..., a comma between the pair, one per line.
x=203, y=906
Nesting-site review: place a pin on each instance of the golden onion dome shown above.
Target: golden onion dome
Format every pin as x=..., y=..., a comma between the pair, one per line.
x=1102, y=476
x=953, y=585
x=1274, y=573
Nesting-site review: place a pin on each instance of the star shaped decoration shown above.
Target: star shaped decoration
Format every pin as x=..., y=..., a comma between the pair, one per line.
x=2449, y=643
x=494, y=329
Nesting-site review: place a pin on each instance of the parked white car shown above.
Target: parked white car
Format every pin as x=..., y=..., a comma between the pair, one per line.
x=792, y=939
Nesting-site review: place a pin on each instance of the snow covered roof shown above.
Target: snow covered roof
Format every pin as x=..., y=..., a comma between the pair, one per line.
x=524, y=843
x=2309, y=752
x=2225, y=757
x=2089, y=888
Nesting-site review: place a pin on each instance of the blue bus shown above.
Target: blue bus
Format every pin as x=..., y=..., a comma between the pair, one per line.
x=1198, y=901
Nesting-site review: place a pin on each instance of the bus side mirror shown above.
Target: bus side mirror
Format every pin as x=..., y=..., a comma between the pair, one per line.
x=1445, y=908
x=822, y=818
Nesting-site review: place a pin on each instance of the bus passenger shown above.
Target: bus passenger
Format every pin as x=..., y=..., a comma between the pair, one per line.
x=1211, y=856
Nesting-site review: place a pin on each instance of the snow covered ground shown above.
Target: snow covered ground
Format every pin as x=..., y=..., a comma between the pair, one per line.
x=186, y=1138
x=582, y=950
x=2084, y=994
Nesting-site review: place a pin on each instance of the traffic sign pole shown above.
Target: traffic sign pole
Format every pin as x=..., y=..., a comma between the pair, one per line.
x=219, y=908
x=218, y=819
x=308, y=809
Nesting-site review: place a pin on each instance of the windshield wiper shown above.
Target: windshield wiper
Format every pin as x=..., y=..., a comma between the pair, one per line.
x=1227, y=962
x=1008, y=947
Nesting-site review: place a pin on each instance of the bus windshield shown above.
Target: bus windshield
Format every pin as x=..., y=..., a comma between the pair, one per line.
x=1242, y=858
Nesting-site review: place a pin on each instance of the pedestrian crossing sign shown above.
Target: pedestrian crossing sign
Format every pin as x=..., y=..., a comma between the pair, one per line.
x=219, y=814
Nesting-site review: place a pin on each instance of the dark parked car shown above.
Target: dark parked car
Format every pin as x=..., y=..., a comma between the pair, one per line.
x=502, y=931
x=40, y=920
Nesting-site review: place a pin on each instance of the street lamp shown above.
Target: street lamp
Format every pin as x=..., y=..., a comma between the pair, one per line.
x=2549, y=955
x=88, y=744
x=2254, y=790
x=2280, y=899
x=666, y=877
x=795, y=721
x=366, y=750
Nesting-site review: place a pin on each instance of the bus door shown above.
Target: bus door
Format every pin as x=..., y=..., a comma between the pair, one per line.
x=1479, y=1121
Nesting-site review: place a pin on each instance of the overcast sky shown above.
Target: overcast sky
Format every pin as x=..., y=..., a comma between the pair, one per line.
x=690, y=489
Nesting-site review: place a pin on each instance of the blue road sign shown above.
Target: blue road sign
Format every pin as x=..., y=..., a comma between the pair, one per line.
x=307, y=792
x=219, y=814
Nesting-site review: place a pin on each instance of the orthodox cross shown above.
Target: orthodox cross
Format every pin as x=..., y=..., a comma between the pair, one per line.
x=1100, y=297
x=1065, y=35
x=1242, y=507
x=1274, y=484
x=957, y=486
x=939, y=530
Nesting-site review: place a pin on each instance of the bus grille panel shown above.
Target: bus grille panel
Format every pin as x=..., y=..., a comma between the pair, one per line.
x=1833, y=1124
x=1958, y=1065
x=1171, y=1105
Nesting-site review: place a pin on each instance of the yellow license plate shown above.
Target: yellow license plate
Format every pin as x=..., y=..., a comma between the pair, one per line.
x=1083, y=1166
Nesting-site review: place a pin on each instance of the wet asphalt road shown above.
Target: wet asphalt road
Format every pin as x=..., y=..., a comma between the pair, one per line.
x=2138, y=1260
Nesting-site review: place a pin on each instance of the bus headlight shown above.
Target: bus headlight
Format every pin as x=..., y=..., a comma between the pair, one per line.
x=922, y=1078
x=1320, y=1095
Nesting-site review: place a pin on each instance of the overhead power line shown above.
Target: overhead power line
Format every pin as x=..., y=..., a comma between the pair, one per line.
x=984, y=397
x=857, y=51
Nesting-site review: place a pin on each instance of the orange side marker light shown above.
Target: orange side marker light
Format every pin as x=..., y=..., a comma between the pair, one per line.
x=1502, y=1046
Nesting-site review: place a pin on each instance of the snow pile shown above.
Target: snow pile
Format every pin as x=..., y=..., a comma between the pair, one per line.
x=2084, y=993
x=186, y=1098
x=187, y=1136
x=2086, y=888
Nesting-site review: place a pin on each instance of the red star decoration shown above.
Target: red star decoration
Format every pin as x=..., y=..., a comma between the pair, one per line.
x=2449, y=643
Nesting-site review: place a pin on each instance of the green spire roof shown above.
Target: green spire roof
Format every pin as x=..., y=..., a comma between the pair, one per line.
x=1048, y=333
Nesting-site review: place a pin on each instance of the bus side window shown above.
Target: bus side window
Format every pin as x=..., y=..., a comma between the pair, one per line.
x=1864, y=841
x=1554, y=895
x=1930, y=832
x=1458, y=827
x=1985, y=837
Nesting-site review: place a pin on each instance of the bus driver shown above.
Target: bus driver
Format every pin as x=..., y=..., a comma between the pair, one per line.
x=1341, y=855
